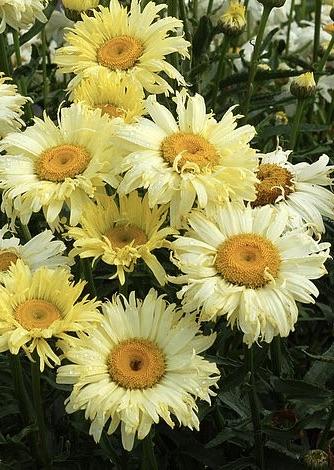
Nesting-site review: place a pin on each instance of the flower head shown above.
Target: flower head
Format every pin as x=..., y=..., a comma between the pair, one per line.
x=42, y=305
x=41, y=250
x=303, y=86
x=19, y=14
x=11, y=104
x=48, y=166
x=233, y=21
x=127, y=45
x=141, y=364
x=121, y=235
x=192, y=160
x=247, y=265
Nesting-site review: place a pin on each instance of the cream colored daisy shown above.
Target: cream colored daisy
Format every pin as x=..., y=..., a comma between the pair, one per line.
x=298, y=188
x=141, y=364
x=196, y=159
x=114, y=95
x=246, y=265
x=80, y=5
x=132, y=44
x=41, y=250
x=122, y=234
x=35, y=307
x=11, y=104
x=47, y=166
x=20, y=14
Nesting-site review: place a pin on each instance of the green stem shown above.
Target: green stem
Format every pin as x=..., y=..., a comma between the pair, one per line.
x=324, y=58
x=16, y=40
x=292, y=8
x=317, y=25
x=4, y=63
x=20, y=390
x=255, y=58
x=25, y=232
x=184, y=18
x=38, y=405
x=327, y=428
x=195, y=9
x=255, y=412
x=276, y=355
x=220, y=69
x=88, y=275
x=45, y=75
x=296, y=123
x=149, y=461
x=209, y=9
x=24, y=92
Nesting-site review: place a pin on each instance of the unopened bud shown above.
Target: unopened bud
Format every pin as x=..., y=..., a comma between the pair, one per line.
x=74, y=8
x=272, y=3
x=233, y=21
x=303, y=86
x=316, y=460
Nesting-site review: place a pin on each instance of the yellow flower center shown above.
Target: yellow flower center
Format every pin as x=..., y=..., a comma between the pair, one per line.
x=6, y=259
x=136, y=364
x=248, y=260
x=275, y=181
x=122, y=235
x=61, y=162
x=112, y=110
x=36, y=313
x=120, y=53
x=189, y=149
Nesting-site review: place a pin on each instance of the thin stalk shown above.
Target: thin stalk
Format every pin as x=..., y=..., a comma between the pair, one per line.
x=4, y=62
x=317, y=23
x=324, y=58
x=209, y=9
x=45, y=75
x=255, y=58
x=20, y=390
x=276, y=355
x=255, y=412
x=25, y=232
x=195, y=9
x=327, y=428
x=220, y=69
x=38, y=405
x=16, y=40
x=149, y=461
x=87, y=274
x=292, y=8
x=296, y=123
x=184, y=18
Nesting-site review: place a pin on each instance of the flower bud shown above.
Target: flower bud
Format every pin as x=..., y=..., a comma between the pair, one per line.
x=316, y=460
x=74, y=8
x=233, y=21
x=272, y=3
x=303, y=86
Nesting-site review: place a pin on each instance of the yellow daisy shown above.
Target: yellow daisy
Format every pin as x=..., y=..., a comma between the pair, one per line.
x=11, y=107
x=20, y=14
x=41, y=250
x=298, y=188
x=48, y=166
x=141, y=364
x=121, y=235
x=196, y=159
x=115, y=96
x=80, y=5
x=35, y=307
x=247, y=265
x=132, y=44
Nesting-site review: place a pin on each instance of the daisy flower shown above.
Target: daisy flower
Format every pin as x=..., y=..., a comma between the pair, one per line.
x=48, y=166
x=11, y=104
x=80, y=5
x=115, y=96
x=192, y=160
x=142, y=363
x=42, y=305
x=41, y=250
x=246, y=265
x=121, y=235
x=20, y=14
x=133, y=44
x=298, y=188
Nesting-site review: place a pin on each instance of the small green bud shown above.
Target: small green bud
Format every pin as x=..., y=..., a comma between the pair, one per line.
x=303, y=86
x=233, y=21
